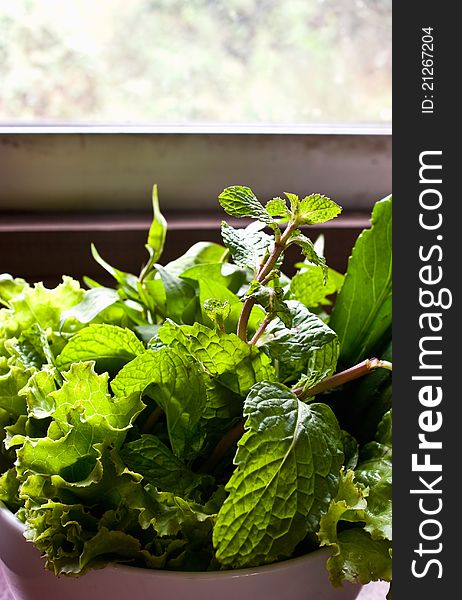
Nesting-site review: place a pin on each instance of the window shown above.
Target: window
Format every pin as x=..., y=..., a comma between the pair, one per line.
x=141, y=62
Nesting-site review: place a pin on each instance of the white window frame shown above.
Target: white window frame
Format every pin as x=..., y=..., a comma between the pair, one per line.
x=96, y=168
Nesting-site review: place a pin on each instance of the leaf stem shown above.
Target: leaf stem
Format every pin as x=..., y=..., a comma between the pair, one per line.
x=280, y=244
x=235, y=433
x=152, y=420
x=359, y=370
x=263, y=325
x=226, y=442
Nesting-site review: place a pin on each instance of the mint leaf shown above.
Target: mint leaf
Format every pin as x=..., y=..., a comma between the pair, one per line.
x=297, y=346
x=277, y=207
x=173, y=380
x=159, y=466
x=247, y=246
x=308, y=286
x=157, y=231
x=316, y=208
x=240, y=201
x=287, y=472
x=225, y=356
x=309, y=252
x=108, y=345
x=363, y=311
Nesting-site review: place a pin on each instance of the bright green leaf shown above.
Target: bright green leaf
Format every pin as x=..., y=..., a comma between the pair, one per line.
x=240, y=201
x=316, y=208
x=287, y=472
x=110, y=346
x=363, y=310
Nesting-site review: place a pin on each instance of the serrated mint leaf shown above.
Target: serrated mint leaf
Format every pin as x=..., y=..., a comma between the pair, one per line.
x=308, y=287
x=363, y=309
x=173, y=380
x=247, y=246
x=277, y=207
x=108, y=345
x=159, y=466
x=94, y=302
x=322, y=363
x=316, y=208
x=157, y=231
x=240, y=201
x=225, y=356
x=294, y=347
x=287, y=471
x=309, y=252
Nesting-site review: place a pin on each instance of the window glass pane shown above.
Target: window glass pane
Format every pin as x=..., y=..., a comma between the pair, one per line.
x=195, y=61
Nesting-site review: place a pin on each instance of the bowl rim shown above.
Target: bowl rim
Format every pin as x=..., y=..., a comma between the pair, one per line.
x=247, y=571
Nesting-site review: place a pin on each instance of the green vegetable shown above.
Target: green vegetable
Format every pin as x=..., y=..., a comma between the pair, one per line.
x=185, y=419
x=362, y=312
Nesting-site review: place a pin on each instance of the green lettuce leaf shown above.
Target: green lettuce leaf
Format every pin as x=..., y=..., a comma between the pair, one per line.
x=363, y=310
x=10, y=385
x=360, y=559
x=10, y=287
x=287, y=471
x=364, y=498
x=109, y=346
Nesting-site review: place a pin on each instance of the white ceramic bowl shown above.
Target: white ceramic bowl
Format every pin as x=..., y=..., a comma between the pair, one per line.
x=303, y=578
